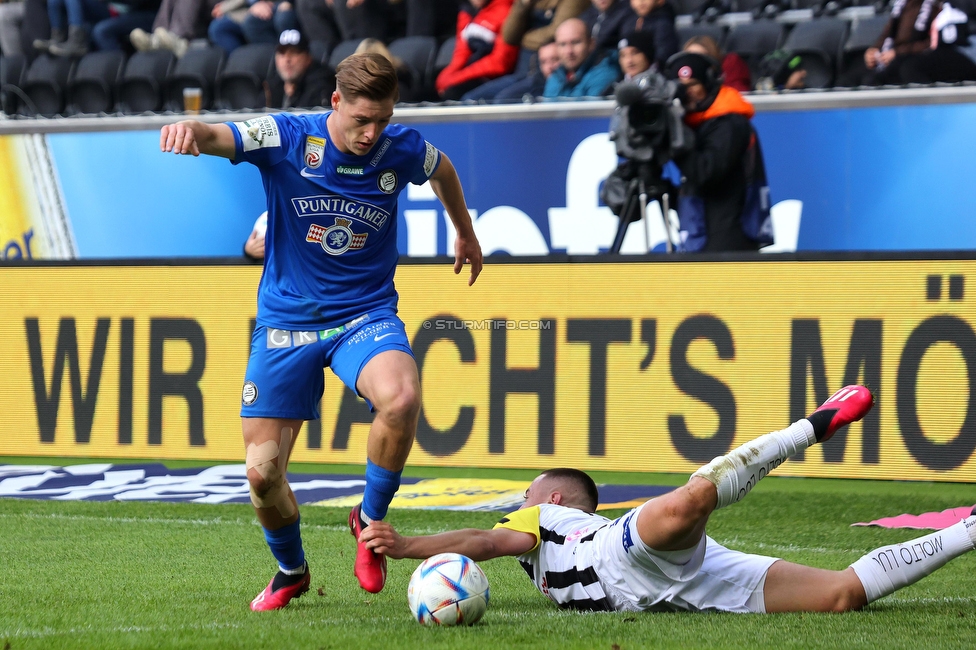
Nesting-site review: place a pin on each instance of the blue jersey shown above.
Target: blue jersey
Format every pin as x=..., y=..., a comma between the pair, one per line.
x=331, y=244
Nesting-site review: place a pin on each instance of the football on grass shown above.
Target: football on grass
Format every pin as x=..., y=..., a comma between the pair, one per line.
x=448, y=589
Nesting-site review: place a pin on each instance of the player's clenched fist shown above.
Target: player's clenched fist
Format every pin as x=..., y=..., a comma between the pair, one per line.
x=179, y=138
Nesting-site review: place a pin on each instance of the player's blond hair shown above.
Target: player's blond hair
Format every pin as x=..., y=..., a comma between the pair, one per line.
x=367, y=75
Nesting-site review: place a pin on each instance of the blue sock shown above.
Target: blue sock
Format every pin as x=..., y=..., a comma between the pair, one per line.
x=286, y=546
x=381, y=485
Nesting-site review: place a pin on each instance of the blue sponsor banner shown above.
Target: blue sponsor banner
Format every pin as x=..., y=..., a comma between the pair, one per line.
x=865, y=179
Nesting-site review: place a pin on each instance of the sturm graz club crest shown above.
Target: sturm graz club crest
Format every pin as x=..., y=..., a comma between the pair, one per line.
x=387, y=181
x=250, y=393
x=336, y=239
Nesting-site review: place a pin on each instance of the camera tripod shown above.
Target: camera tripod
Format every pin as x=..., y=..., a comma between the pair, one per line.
x=643, y=186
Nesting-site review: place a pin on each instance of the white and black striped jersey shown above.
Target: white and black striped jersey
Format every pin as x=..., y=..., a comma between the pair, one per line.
x=553, y=565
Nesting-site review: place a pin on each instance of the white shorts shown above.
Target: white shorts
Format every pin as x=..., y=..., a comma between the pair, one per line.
x=636, y=578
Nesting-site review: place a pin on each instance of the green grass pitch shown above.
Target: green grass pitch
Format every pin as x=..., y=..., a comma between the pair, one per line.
x=153, y=575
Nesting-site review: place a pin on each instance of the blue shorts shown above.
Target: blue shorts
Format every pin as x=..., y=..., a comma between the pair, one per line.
x=284, y=376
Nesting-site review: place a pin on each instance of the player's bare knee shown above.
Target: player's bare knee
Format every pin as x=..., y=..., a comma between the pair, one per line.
x=849, y=597
x=840, y=596
x=692, y=502
x=402, y=406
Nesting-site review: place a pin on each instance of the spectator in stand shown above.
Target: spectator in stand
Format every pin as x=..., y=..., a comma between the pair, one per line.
x=11, y=16
x=298, y=80
x=318, y=21
x=583, y=70
x=657, y=17
x=532, y=23
x=221, y=32
x=480, y=53
x=606, y=20
x=735, y=71
x=519, y=87
x=177, y=22
x=71, y=22
x=113, y=33
x=952, y=54
x=437, y=18
x=912, y=50
x=34, y=26
x=409, y=90
x=359, y=19
x=263, y=22
x=635, y=54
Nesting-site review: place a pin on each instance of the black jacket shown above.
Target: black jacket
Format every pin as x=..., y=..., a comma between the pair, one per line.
x=313, y=89
x=715, y=170
x=607, y=28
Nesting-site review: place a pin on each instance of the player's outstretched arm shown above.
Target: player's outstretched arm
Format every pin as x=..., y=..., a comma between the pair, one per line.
x=447, y=187
x=191, y=137
x=475, y=543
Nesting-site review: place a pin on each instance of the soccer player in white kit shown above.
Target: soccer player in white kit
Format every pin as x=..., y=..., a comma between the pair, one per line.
x=657, y=556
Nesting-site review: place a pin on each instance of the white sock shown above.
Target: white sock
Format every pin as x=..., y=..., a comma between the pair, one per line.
x=737, y=472
x=292, y=572
x=889, y=568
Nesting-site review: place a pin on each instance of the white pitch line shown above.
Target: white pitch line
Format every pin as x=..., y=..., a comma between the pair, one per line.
x=154, y=629
x=216, y=521
x=738, y=544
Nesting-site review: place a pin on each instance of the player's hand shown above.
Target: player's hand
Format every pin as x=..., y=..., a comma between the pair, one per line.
x=380, y=537
x=178, y=138
x=887, y=56
x=218, y=10
x=467, y=249
x=871, y=57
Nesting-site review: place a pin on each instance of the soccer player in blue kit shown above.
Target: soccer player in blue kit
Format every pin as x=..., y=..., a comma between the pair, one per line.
x=326, y=297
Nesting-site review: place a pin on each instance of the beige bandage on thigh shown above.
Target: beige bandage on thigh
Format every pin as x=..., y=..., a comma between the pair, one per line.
x=270, y=460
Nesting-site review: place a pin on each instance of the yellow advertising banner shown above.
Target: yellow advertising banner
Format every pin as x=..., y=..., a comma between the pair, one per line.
x=640, y=366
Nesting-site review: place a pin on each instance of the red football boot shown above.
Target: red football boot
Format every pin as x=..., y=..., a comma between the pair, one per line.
x=276, y=599
x=849, y=404
x=370, y=567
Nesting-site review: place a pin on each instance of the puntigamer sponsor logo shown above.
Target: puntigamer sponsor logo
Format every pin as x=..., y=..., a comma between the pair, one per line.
x=349, y=171
x=337, y=206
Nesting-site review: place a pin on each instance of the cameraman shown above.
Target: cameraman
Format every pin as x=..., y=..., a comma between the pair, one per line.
x=713, y=196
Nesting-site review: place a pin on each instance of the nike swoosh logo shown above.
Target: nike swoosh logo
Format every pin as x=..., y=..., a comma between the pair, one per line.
x=378, y=337
x=306, y=174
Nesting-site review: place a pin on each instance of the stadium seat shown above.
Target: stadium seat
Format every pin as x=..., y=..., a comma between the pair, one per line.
x=93, y=86
x=241, y=84
x=342, y=50
x=144, y=81
x=717, y=32
x=754, y=40
x=691, y=7
x=419, y=53
x=757, y=6
x=12, y=68
x=319, y=51
x=46, y=84
x=444, y=55
x=198, y=68
x=864, y=34
x=818, y=42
